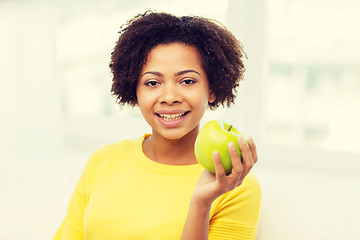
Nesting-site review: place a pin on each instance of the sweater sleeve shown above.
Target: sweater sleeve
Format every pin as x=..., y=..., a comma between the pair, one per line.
x=72, y=226
x=235, y=214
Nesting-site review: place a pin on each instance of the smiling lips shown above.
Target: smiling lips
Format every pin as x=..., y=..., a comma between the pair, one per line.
x=171, y=117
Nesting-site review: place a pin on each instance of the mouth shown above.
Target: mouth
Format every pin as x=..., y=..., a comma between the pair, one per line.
x=172, y=117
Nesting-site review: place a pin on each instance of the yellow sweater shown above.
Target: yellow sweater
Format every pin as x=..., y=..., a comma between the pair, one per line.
x=122, y=194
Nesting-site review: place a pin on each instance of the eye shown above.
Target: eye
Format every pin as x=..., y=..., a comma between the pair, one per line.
x=188, y=81
x=151, y=83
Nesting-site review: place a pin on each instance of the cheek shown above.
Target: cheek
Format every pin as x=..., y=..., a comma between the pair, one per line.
x=142, y=103
x=141, y=97
x=145, y=101
x=199, y=100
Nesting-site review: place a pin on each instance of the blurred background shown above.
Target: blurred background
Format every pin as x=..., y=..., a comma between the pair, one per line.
x=300, y=100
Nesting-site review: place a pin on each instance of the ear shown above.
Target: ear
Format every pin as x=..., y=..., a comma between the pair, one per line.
x=212, y=97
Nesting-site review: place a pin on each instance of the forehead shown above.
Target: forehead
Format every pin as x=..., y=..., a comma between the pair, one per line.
x=174, y=53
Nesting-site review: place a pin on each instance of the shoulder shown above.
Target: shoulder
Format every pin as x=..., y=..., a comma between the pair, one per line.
x=246, y=196
x=249, y=190
x=102, y=159
x=241, y=205
x=116, y=147
x=104, y=154
x=251, y=183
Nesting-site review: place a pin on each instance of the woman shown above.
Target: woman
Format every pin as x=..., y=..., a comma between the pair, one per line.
x=152, y=187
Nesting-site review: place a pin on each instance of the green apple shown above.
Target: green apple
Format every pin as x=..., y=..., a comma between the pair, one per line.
x=215, y=136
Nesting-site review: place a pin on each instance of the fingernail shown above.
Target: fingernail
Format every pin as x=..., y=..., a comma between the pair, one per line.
x=231, y=145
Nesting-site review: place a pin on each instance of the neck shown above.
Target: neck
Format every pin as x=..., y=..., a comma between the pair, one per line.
x=171, y=151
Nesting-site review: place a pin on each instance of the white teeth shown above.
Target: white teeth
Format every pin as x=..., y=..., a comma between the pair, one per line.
x=171, y=117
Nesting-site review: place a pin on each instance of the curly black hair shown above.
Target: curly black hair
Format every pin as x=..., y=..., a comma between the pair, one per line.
x=221, y=53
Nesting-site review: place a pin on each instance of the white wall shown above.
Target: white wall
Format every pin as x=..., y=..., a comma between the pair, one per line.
x=31, y=123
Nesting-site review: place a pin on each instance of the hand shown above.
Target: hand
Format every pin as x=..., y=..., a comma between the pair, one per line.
x=210, y=185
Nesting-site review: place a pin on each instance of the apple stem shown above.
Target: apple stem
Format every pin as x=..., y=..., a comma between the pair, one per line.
x=230, y=128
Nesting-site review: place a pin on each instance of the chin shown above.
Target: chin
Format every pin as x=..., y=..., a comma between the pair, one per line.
x=173, y=136
x=177, y=134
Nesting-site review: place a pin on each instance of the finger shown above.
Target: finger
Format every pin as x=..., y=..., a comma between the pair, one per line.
x=253, y=149
x=237, y=167
x=248, y=161
x=219, y=168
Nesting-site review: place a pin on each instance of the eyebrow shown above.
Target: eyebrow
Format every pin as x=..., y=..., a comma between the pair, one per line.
x=187, y=71
x=176, y=74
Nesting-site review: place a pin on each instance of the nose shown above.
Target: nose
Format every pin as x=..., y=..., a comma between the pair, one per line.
x=170, y=95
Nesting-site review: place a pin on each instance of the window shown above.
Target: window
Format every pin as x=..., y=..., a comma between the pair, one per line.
x=301, y=86
x=313, y=87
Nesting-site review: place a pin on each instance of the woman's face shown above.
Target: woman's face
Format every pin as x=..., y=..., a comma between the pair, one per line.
x=173, y=90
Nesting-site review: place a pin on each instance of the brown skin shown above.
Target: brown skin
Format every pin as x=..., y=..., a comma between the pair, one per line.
x=162, y=89
x=173, y=152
